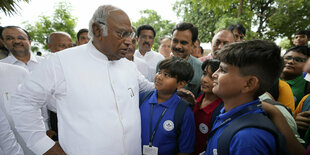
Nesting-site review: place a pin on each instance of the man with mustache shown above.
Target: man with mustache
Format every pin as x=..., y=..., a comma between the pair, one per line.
x=18, y=42
x=183, y=37
x=220, y=39
x=146, y=35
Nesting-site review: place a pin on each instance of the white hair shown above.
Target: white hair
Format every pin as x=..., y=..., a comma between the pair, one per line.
x=50, y=40
x=101, y=16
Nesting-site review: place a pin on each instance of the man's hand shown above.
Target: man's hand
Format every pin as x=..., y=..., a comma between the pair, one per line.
x=303, y=120
x=55, y=150
x=51, y=133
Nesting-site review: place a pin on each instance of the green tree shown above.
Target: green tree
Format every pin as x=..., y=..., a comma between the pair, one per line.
x=62, y=20
x=10, y=7
x=265, y=19
x=162, y=27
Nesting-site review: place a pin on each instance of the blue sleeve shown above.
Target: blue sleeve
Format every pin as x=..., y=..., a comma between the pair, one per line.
x=187, y=136
x=253, y=141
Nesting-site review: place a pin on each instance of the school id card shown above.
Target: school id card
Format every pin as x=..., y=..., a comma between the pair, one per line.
x=150, y=150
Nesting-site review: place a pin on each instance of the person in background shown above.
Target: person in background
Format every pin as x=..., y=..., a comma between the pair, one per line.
x=165, y=46
x=238, y=30
x=197, y=51
x=82, y=37
x=301, y=38
x=58, y=41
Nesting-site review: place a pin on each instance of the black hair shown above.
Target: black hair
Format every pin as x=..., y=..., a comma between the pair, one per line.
x=212, y=63
x=258, y=58
x=187, y=26
x=80, y=32
x=300, y=49
x=238, y=27
x=145, y=27
x=302, y=32
x=178, y=68
x=201, y=50
x=17, y=27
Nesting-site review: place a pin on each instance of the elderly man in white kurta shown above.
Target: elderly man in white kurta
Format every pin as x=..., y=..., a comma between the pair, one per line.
x=96, y=91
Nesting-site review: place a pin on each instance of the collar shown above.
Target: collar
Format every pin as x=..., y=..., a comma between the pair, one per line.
x=174, y=99
x=214, y=103
x=95, y=52
x=294, y=81
x=225, y=115
x=12, y=59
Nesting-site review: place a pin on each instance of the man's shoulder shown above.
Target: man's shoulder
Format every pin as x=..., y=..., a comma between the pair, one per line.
x=158, y=55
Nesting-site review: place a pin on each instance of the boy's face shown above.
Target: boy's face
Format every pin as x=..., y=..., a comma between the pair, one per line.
x=165, y=83
x=300, y=40
x=294, y=63
x=228, y=82
x=206, y=80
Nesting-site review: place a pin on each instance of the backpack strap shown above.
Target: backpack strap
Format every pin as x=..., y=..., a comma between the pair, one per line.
x=254, y=120
x=215, y=113
x=178, y=119
x=144, y=96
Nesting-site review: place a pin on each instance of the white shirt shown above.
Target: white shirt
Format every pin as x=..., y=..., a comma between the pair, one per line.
x=97, y=103
x=152, y=58
x=10, y=141
x=141, y=66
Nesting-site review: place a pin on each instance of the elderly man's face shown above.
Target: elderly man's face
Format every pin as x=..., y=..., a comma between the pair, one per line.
x=220, y=39
x=16, y=41
x=182, y=43
x=59, y=42
x=115, y=46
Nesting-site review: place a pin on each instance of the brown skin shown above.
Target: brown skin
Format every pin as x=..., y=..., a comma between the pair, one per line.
x=182, y=43
x=302, y=120
x=59, y=41
x=83, y=39
x=220, y=39
x=17, y=42
x=145, y=41
x=113, y=46
x=300, y=40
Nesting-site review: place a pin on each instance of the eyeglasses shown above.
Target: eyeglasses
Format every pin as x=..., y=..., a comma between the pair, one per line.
x=296, y=59
x=126, y=34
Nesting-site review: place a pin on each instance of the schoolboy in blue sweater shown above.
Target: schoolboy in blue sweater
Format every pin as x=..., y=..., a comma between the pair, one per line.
x=158, y=110
x=247, y=70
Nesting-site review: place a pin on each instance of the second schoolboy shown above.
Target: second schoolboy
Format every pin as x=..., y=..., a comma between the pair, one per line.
x=158, y=110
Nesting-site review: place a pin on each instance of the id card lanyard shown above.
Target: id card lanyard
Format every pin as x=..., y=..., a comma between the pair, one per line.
x=152, y=133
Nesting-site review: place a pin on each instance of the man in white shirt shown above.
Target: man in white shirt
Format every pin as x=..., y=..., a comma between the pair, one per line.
x=146, y=35
x=10, y=140
x=18, y=42
x=141, y=64
x=96, y=91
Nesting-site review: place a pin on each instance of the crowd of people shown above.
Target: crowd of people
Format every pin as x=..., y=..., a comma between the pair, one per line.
x=112, y=93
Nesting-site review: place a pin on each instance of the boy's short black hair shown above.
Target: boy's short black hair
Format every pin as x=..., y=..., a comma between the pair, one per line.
x=259, y=58
x=300, y=49
x=213, y=63
x=145, y=27
x=178, y=68
x=238, y=27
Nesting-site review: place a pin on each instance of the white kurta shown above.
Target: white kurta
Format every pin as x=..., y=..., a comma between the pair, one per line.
x=152, y=58
x=97, y=103
x=10, y=141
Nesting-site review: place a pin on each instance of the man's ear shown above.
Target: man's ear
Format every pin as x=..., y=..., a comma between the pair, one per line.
x=252, y=84
x=181, y=84
x=96, y=30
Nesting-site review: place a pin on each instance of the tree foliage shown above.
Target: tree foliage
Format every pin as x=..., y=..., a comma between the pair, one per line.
x=162, y=27
x=9, y=7
x=263, y=19
x=62, y=20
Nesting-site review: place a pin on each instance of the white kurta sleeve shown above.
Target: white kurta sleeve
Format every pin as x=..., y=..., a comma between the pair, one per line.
x=8, y=143
x=29, y=99
x=144, y=84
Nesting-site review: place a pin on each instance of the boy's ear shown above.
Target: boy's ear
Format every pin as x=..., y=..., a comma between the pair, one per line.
x=181, y=84
x=252, y=84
